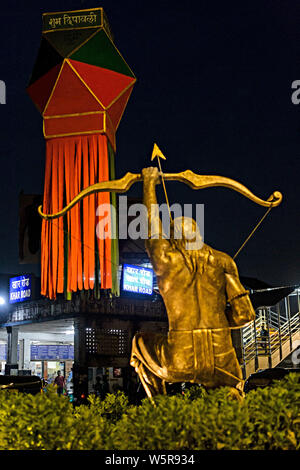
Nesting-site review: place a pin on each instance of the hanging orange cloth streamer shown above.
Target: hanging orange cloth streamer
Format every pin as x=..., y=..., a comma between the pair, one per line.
x=103, y=199
x=69, y=244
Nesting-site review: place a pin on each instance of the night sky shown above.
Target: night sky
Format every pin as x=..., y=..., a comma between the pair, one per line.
x=213, y=91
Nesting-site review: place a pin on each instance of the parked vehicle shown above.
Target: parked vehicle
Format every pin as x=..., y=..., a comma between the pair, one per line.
x=266, y=377
x=26, y=384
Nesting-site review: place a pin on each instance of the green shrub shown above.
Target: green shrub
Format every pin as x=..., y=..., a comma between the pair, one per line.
x=47, y=422
x=112, y=408
x=267, y=419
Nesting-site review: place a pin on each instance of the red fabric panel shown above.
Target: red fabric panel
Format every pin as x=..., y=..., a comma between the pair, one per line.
x=116, y=110
x=40, y=90
x=73, y=125
x=110, y=131
x=106, y=84
x=70, y=95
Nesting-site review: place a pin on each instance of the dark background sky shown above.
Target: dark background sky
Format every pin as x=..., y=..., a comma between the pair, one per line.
x=213, y=90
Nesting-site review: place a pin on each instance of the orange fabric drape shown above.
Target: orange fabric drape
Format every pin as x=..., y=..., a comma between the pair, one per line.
x=60, y=222
x=72, y=164
x=104, y=246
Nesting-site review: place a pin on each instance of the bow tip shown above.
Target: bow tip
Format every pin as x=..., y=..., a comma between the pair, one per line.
x=275, y=198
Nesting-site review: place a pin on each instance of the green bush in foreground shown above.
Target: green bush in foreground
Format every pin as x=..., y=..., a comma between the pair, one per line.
x=267, y=419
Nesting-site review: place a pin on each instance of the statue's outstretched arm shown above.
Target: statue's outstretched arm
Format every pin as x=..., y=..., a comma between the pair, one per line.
x=156, y=245
x=150, y=180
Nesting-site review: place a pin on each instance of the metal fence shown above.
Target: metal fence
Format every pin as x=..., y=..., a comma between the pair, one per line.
x=273, y=328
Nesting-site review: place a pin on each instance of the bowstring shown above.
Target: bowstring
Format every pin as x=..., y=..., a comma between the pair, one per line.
x=253, y=231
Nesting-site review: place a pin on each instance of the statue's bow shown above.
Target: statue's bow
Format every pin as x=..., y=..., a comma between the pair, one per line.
x=189, y=177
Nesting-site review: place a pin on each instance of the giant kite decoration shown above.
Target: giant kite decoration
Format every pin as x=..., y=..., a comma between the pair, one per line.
x=80, y=84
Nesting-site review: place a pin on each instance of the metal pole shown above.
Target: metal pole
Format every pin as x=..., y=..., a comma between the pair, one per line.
x=243, y=357
x=256, y=347
x=279, y=330
x=267, y=311
x=287, y=306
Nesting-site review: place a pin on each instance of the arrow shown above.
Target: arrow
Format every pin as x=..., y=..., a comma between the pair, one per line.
x=157, y=153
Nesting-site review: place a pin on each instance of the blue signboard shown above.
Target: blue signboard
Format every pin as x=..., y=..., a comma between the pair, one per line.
x=19, y=289
x=43, y=352
x=137, y=279
x=51, y=352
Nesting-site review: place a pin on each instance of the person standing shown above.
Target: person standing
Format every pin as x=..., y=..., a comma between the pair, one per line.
x=60, y=382
x=264, y=338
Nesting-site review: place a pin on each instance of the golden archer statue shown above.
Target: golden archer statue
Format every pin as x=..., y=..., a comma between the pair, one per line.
x=196, y=285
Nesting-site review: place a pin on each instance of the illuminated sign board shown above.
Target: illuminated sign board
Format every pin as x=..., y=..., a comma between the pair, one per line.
x=137, y=279
x=19, y=289
x=51, y=352
x=42, y=352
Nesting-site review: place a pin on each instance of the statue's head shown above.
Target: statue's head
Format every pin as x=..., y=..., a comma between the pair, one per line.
x=185, y=233
x=185, y=237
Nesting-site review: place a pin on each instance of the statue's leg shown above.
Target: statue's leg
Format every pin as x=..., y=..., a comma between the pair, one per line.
x=236, y=393
x=152, y=384
x=235, y=382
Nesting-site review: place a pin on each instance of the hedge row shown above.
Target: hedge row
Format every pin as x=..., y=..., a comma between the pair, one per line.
x=268, y=419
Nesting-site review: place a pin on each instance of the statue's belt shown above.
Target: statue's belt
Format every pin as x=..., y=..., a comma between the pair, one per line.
x=225, y=328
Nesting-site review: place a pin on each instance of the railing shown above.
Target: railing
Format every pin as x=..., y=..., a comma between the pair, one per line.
x=281, y=323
